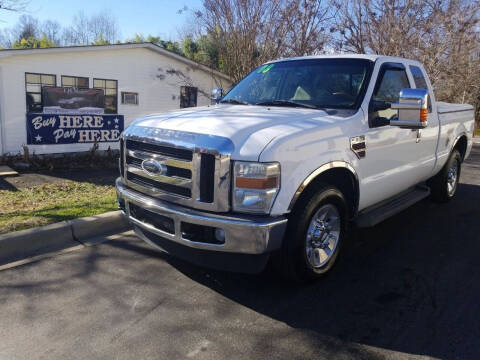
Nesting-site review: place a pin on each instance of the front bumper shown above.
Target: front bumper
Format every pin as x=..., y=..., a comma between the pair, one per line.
x=252, y=235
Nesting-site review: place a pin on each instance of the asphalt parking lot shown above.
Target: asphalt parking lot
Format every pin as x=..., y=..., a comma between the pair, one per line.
x=407, y=288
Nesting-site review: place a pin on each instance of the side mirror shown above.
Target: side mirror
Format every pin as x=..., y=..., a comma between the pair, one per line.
x=373, y=108
x=379, y=105
x=412, y=109
x=217, y=95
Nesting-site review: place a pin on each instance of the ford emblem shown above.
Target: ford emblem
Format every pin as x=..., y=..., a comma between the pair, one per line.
x=153, y=167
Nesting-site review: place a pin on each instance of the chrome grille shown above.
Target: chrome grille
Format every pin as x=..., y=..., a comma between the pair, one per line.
x=178, y=177
x=160, y=150
x=194, y=173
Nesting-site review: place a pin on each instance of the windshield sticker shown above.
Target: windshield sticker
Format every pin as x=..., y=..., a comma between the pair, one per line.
x=265, y=68
x=261, y=68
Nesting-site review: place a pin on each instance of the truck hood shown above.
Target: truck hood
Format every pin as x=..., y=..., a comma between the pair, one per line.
x=250, y=128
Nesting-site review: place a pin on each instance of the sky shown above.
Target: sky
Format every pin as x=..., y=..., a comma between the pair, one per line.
x=156, y=17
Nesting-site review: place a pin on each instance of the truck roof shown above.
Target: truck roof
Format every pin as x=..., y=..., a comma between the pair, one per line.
x=347, y=56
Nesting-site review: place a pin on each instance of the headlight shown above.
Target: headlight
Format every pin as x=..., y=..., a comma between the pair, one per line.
x=255, y=186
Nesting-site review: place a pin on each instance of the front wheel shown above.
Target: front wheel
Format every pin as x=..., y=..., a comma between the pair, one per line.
x=444, y=185
x=316, y=230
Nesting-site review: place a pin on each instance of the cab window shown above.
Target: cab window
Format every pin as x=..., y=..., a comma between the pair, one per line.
x=421, y=83
x=390, y=81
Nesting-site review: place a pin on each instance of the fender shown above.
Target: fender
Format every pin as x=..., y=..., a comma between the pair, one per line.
x=320, y=170
x=450, y=135
x=454, y=143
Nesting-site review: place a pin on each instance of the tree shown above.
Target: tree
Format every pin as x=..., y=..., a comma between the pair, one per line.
x=247, y=33
x=31, y=31
x=52, y=31
x=78, y=32
x=169, y=45
x=138, y=38
x=28, y=34
x=103, y=26
x=6, y=38
x=172, y=46
x=32, y=43
x=13, y=5
x=208, y=53
x=443, y=35
x=26, y=27
x=243, y=31
x=86, y=30
x=307, y=26
x=153, y=39
x=101, y=41
x=189, y=48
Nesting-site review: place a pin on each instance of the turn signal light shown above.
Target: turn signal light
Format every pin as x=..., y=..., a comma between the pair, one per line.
x=423, y=115
x=256, y=183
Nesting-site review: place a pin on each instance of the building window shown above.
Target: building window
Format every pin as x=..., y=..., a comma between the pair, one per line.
x=110, y=89
x=129, y=98
x=33, y=87
x=188, y=96
x=75, y=81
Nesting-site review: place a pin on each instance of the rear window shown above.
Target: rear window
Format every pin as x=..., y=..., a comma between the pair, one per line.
x=421, y=83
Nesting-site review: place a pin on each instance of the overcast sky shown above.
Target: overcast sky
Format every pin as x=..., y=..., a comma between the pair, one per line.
x=156, y=17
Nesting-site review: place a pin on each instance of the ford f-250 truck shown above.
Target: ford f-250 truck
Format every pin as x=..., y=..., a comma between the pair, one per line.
x=288, y=158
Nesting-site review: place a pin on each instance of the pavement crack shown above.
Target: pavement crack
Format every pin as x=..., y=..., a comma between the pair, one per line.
x=74, y=238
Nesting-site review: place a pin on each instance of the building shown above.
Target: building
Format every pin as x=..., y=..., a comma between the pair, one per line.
x=57, y=100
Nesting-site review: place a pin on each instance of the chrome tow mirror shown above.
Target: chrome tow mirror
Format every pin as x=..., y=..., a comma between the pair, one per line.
x=217, y=95
x=412, y=109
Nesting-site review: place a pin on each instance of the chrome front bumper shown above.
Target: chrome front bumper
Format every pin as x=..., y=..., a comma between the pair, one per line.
x=243, y=234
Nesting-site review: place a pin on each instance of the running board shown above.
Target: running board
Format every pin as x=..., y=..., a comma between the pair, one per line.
x=376, y=215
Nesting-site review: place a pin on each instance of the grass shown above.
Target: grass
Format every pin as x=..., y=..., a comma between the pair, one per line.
x=49, y=203
x=477, y=131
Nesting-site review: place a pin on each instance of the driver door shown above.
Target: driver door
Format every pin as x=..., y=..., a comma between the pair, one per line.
x=388, y=167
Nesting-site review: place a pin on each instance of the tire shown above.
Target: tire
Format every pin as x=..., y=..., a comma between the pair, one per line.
x=444, y=185
x=309, y=251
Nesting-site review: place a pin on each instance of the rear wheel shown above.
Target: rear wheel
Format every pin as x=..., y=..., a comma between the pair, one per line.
x=444, y=185
x=316, y=230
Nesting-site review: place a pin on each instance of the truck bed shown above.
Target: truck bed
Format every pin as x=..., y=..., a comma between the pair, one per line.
x=451, y=114
x=444, y=107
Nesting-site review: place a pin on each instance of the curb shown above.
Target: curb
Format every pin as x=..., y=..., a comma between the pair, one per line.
x=19, y=245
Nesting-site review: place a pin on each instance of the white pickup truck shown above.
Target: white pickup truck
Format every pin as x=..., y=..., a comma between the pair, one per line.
x=288, y=158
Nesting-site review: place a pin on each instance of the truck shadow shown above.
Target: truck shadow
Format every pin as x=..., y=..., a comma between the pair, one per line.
x=409, y=284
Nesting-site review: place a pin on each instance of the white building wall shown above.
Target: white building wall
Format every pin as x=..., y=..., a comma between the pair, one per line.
x=139, y=70
x=2, y=106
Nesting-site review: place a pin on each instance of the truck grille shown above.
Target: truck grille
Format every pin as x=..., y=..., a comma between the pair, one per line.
x=160, y=150
x=186, y=176
x=142, y=181
x=178, y=162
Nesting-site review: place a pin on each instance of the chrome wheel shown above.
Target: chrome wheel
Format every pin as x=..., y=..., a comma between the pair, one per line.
x=323, y=235
x=452, y=178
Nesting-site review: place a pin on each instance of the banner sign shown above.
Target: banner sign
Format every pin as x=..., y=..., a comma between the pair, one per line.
x=72, y=129
x=58, y=100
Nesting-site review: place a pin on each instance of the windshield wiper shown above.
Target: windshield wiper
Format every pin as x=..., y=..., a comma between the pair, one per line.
x=234, y=101
x=286, y=103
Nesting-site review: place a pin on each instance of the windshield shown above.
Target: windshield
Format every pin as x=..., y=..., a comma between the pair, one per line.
x=316, y=83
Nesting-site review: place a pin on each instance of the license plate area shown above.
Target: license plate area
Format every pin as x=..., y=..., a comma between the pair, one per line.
x=158, y=221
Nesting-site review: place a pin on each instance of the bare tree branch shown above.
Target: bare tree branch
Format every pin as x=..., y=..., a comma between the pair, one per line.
x=13, y=5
